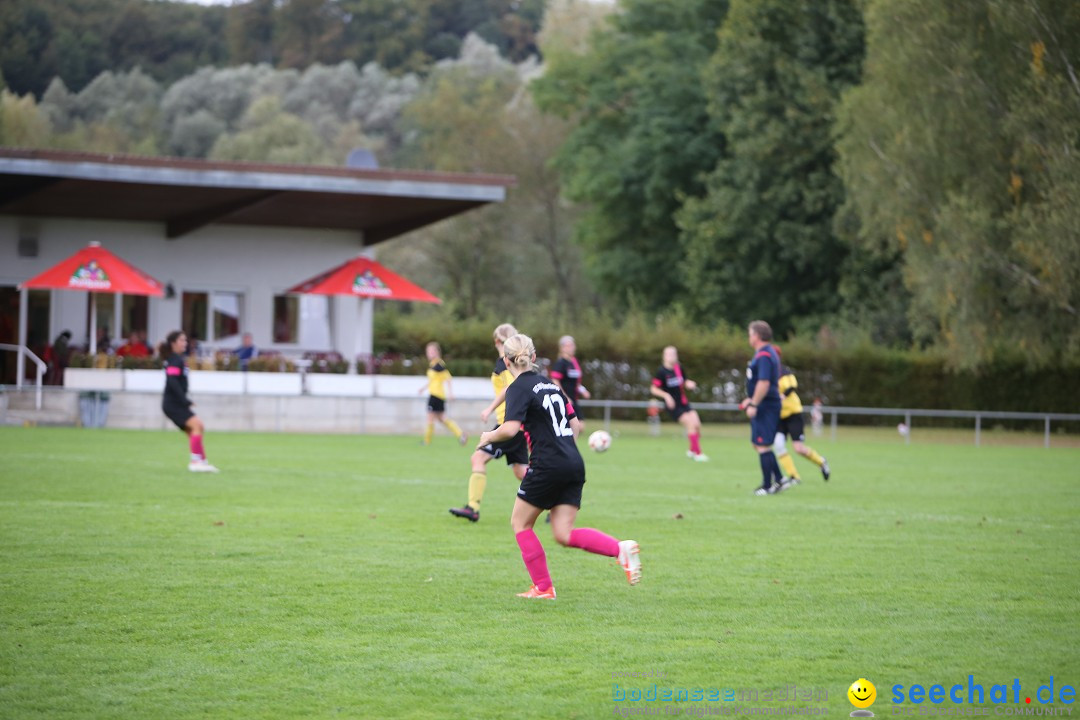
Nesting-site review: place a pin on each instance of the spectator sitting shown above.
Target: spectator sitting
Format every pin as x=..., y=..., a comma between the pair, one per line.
x=61, y=349
x=246, y=351
x=134, y=347
x=104, y=346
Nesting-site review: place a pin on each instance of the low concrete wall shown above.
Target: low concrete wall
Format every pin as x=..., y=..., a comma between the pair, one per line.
x=241, y=383
x=257, y=413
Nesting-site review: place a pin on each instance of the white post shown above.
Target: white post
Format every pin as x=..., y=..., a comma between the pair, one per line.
x=93, y=327
x=365, y=324
x=20, y=359
x=365, y=320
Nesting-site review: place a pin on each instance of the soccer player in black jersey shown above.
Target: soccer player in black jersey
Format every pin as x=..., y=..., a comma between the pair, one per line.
x=566, y=372
x=556, y=471
x=670, y=385
x=175, y=402
x=514, y=448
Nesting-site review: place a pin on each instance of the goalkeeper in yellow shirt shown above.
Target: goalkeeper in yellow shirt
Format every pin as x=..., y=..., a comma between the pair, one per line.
x=791, y=423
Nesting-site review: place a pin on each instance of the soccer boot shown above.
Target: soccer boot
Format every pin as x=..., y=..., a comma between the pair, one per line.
x=533, y=594
x=630, y=561
x=465, y=512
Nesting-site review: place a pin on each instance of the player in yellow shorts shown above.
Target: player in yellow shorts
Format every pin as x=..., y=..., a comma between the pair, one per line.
x=438, y=387
x=791, y=423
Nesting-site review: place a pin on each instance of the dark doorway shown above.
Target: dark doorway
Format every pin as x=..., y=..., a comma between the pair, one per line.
x=37, y=329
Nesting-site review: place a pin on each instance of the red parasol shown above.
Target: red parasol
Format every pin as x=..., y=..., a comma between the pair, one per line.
x=96, y=270
x=365, y=278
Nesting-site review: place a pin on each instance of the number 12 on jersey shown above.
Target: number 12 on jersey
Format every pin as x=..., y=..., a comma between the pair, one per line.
x=558, y=417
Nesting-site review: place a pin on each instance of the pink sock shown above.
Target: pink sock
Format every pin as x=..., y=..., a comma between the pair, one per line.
x=195, y=441
x=532, y=552
x=594, y=541
x=695, y=443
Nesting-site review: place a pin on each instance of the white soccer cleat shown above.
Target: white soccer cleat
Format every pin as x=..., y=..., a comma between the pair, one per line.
x=202, y=466
x=630, y=561
x=701, y=457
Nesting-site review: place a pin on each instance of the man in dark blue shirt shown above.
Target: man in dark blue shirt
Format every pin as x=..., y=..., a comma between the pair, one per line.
x=762, y=404
x=246, y=351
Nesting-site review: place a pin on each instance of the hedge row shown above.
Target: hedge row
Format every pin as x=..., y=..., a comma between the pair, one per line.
x=619, y=360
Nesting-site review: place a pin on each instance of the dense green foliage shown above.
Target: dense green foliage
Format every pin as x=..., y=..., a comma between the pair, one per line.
x=76, y=40
x=322, y=576
x=767, y=212
x=642, y=139
x=961, y=158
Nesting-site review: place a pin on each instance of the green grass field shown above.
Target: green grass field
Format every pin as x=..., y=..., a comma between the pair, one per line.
x=321, y=576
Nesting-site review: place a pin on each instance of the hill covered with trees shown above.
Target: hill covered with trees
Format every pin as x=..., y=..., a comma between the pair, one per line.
x=895, y=172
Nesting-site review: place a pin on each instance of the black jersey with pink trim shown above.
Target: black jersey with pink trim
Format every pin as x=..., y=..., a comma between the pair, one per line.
x=176, y=383
x=672, y=382
x=568, y=373
x=545, y=414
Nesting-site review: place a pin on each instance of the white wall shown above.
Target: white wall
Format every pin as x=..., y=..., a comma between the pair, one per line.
x=256, y=261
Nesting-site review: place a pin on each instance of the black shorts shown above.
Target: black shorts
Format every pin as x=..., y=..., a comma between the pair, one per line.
x=763, y=426
x=679, y=411
x=178, y=414
x=436, y=405
x=793, y=425
x=545, y=489
x=515, y=450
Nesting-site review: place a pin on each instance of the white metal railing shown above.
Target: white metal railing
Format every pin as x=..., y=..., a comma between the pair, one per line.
x=907, y=413
x=24, y=351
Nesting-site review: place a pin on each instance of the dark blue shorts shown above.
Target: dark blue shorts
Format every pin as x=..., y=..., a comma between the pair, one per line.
x=763, y=426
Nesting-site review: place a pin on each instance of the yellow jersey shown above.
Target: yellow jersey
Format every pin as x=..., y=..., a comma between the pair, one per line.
x=501, y=377
x=790, y=403
x=437, y=377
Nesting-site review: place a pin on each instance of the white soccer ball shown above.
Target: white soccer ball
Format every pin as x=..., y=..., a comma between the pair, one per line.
x=599, y=441
x=903, y=429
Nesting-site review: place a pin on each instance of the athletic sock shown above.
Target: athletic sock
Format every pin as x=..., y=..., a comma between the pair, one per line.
x=769, y=468
x=532, y=552
x=787, y=465
x=454, y=428
x=695, y=443
x=812, y=456
x=197, y=452
x=594, y=541
x=428, y=432
x=477, y=483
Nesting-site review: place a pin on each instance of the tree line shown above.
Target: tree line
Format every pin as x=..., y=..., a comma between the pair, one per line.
x=76, y=40
x=899, y=172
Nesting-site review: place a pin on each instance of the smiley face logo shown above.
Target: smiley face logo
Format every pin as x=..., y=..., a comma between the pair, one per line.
x=862, y=693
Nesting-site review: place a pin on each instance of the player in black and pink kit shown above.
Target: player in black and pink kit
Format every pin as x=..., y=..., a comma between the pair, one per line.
x=556, y=471
x=175, y=402
x=670, y=385
x=566, y=372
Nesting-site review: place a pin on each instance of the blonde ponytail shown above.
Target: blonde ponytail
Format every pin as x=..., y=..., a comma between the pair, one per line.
x=519, y=352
